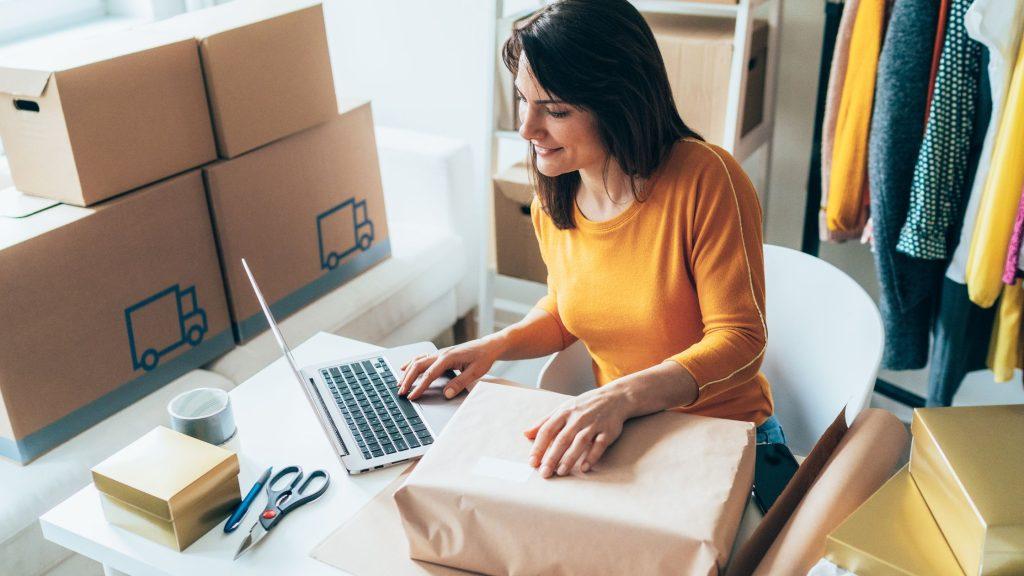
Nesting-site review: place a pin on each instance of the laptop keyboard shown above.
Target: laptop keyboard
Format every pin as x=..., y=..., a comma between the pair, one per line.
x=382, y=421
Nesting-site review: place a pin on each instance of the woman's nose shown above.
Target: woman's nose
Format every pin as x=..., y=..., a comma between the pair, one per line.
x=528, y=127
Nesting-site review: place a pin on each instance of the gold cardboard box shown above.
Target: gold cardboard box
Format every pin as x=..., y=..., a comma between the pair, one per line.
x=892, y=533
x=969, y=465
x=168, y=487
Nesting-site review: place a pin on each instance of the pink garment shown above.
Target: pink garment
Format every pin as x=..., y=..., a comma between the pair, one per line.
x=836, y=79
x=1012, y=271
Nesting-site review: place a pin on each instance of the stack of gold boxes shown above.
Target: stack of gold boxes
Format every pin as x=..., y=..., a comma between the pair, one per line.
x=957, y=508
x=168, y=487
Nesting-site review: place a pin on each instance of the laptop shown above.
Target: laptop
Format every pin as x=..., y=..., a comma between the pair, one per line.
x=357, y=403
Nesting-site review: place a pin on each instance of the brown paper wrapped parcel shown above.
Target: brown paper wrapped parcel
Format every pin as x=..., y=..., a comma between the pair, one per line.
x=666, y=497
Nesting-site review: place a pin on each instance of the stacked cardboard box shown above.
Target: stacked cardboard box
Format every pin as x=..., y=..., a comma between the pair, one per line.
x=306, y=212
x=518, y=250
x=956, y=509
x=103, y=305
x=698, y=55
x=298, y=190
x=83, y=120
x=266, y=68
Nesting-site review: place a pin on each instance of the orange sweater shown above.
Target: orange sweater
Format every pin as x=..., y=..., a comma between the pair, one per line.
x=679, y=276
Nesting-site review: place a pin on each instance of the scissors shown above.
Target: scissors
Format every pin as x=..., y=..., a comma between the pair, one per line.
x=282, y=498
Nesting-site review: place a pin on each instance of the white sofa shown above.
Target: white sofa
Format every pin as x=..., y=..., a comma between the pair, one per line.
x=429, y=282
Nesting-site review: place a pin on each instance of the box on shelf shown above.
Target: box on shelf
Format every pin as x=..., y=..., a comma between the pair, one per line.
x=698, y=58
x=103, y=305
x=474, y=503
x=268, y=72
x=969, y=464
x=168, y=487
x=85, y=119
x=306, y=212
x=892, y=533
x=518, y=250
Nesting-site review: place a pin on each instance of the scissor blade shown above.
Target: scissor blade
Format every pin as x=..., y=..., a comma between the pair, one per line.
x=256, y=533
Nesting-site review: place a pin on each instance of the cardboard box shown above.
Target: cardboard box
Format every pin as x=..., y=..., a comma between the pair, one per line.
x=698, y=57
x=969, y=464
x=306, y=212
x=103, y=305
x=666, y=497
x=89, y=118
x=892, y=533
x=168, y=487
x=268, y=72
x=517, y=247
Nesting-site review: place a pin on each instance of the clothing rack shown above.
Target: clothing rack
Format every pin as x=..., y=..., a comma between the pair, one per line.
x=811, y=243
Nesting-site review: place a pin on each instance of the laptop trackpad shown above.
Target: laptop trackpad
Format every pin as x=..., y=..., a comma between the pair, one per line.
x=436, y=409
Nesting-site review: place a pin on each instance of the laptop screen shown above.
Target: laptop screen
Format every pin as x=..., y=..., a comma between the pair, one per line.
x=273, y=324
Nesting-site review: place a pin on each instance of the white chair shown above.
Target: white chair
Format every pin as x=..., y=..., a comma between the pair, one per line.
x=825, y=339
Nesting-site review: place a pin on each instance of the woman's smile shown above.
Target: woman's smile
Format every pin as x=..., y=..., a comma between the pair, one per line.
x=544, y=152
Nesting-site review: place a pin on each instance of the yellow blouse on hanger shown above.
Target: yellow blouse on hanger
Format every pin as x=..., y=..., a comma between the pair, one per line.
x=848, y=182
x=1004, y=348
x=998, y=206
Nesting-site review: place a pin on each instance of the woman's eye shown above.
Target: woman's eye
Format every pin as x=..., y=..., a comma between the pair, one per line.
x=558, y=114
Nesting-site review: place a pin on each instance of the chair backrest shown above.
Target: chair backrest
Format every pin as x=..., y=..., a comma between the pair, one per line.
x=825, y=340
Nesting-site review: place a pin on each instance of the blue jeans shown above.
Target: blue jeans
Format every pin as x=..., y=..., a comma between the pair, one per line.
x=771, y=431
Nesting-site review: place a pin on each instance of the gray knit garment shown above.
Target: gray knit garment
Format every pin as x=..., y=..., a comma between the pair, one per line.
x=909, y=286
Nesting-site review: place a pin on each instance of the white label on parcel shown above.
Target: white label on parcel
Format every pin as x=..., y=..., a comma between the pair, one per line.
x=502, y=469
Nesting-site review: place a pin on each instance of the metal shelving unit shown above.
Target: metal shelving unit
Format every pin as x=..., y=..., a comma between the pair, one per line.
x=494, y=288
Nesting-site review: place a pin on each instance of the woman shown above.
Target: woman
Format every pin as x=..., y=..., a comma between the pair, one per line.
x=651, y=237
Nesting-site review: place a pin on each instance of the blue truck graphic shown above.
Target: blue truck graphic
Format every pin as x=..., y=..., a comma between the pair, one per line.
x=341, y=231
x=150, y=334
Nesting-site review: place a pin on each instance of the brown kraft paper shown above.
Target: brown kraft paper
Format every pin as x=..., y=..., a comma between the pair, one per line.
x=666, y=498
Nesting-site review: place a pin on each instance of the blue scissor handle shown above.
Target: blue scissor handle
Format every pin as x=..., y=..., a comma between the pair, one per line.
x=282, y=500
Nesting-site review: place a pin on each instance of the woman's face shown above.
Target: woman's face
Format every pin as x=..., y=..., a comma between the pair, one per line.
x=564, y=137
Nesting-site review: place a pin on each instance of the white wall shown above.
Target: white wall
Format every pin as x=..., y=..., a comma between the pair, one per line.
x=426, y=65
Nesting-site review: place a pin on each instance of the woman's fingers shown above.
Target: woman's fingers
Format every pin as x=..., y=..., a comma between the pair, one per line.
x=555, y=451
x=442, y=363
x=601, y=443
x=579, y=448
x=460, y=382
x=551, y=427
x=412, y=370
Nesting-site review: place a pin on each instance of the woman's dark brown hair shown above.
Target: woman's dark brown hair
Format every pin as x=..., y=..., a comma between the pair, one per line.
x=600, y=56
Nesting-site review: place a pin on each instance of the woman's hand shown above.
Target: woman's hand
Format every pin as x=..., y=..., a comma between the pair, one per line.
x=473, y=359
x=579, y=431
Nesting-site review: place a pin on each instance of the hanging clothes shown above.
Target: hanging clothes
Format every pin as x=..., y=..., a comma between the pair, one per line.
x=940, y=36
x=962, y=331
x=996, y=24
x=999, y=199
x=936, y=195
x=961, y=342
x=848, y=183
x=833, y=95
x=909, y=286
x=833, y=16
x=1012, y=269
x=1004, y=350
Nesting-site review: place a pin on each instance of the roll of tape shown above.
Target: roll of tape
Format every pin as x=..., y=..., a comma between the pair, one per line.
x=203, y=413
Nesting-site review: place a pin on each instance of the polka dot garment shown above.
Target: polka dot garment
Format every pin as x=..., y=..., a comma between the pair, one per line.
x=936, y=192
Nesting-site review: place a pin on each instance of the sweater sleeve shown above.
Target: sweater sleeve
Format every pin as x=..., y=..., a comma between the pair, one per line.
x=549, y=302
x=726, y=260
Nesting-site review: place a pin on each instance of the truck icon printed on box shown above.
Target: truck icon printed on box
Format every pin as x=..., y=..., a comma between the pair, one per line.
x=163, y=322
x=341, y=231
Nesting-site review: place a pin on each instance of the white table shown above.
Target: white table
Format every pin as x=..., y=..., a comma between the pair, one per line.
x=276, y=427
